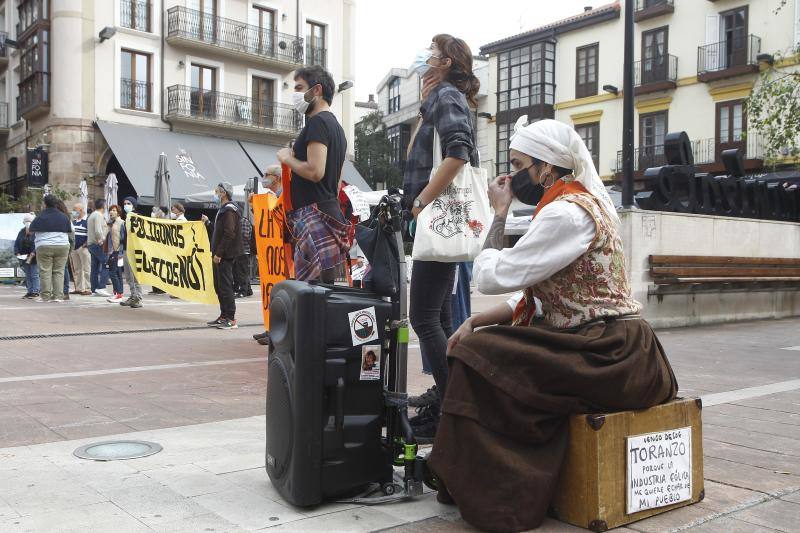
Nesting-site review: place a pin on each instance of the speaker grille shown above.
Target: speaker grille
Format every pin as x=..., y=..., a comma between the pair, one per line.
x=280, y=417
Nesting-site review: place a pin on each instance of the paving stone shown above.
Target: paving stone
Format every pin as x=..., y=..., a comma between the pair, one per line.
x=747, y=477
x=419, y=508
x=247, y=509
x=765, y=427
x=729, y=525
x=792, y=497
x=155, y=504
x=724, y=498
x=351, y=521
x=98, y=518
x=745, y=414
x=753, y=439
x=770, y=461
x=201, y=524
x=190, y=480
x=776, y=514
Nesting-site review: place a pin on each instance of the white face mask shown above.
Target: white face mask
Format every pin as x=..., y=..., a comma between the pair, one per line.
x=420, y=64
x=128, y=208
x=300, y=103
x=173, y=216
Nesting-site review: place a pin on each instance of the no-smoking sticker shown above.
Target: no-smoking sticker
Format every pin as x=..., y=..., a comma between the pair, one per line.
x=363, y=325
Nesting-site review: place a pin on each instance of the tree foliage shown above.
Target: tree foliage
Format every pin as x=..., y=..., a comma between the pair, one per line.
x=30, y=200
x=773, y=109
x=373, y=152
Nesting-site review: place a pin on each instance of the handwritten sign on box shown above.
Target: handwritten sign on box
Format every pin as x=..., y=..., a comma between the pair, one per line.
x=659, y=469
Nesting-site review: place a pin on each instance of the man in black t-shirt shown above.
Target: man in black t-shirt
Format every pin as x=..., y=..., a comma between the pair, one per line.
x=322, y=235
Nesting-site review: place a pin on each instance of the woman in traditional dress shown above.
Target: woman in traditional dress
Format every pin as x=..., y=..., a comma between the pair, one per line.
x=576, y=343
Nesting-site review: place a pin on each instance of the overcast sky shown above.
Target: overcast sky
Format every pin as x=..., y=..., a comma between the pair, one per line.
x=390, y=32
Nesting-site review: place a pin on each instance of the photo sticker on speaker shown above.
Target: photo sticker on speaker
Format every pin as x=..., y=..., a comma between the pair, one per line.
x=370, y=362
x=363, y=326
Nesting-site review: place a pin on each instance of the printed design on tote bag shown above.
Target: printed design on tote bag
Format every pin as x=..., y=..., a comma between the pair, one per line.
x=451, y=214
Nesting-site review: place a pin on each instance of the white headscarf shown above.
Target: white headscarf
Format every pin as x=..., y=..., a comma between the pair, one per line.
x=556, y=143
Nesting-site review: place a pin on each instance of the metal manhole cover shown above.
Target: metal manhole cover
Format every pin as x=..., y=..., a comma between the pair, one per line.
x=116, y=450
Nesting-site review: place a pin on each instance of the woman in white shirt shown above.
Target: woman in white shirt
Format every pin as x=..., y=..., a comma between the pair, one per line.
x=576, y=343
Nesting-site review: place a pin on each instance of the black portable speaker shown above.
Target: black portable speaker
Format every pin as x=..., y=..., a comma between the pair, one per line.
x=325, y=405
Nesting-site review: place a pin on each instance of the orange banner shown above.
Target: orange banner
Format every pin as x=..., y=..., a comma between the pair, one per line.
x=274, y=256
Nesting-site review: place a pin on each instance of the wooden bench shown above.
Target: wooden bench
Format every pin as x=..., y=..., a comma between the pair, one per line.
x=685, y=274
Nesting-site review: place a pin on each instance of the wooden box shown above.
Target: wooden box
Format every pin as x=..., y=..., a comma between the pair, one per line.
x=594, y=485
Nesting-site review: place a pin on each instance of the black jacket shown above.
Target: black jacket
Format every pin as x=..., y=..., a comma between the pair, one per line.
x=226, y=241
x=25, y=244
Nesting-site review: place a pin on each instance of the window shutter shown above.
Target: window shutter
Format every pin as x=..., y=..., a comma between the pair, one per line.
x=797, y=23
x=712, y=40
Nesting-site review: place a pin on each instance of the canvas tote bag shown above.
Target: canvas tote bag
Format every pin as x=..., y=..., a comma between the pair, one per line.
x=453, y=227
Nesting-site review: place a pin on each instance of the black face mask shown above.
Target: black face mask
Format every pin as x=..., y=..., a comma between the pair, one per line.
x=524, y=190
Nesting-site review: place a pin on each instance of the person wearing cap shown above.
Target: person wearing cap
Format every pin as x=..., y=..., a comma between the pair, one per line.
x=575, y=344
x=226, y=246
x=135, y=300
x=25, y=250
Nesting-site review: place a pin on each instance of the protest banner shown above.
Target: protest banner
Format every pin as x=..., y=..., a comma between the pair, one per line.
x=274, y=256
x=173, y=256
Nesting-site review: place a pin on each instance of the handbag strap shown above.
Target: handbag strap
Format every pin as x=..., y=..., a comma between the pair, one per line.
x=437, y=146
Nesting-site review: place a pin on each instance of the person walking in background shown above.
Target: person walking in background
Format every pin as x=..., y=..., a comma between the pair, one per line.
x=135, y=299
x=242, y=265
x=61, y=206
x=97, y=230
x=25, y=250
x=178, y=212
x=115, y=251
x=79, y=257
x=449, y=88
x=52, y=229
x=226, y=246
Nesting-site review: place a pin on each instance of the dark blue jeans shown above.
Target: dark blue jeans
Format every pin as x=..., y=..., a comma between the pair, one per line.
x=98, y=276
x=431, y=316
x=115, y=272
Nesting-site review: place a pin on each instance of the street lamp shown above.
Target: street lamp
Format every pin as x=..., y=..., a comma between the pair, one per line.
x=627, y=110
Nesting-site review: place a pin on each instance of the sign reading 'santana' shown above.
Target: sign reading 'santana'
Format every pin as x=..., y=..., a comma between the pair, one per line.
x=659, y=469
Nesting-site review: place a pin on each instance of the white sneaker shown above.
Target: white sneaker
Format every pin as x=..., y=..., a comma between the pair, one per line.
x=57, y=300
x=41, y=300
x=115, y=299
x=101, y=292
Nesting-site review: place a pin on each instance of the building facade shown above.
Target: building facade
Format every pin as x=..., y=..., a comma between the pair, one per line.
x=399, y=96
x=695, y=63
x=95, y=83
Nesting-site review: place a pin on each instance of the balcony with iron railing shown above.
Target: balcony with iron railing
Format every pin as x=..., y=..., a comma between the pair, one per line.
x=190, y=104
x=135, y=15
x=195, y=29
x=316, y=54
x=4, y=125
x=646, y=9
x=655, y=74
x=3, y=49
x=725, y=59
x=136, y=95
x=706, y=153
x=34, y=95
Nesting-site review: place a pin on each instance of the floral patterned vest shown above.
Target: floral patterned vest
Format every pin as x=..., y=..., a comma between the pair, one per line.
x=592, y=287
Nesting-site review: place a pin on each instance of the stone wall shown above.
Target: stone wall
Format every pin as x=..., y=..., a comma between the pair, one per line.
x=660, y=233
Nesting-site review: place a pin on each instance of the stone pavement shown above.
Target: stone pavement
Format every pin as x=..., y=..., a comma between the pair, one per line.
x=157, y=374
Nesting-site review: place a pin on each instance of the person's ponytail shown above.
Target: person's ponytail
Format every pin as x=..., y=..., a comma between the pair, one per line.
x=460, y=74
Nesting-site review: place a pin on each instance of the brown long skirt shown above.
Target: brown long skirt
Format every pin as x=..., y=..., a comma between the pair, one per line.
x=503, y=432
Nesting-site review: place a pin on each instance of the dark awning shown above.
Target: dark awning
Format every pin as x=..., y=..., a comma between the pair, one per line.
x=265, y=155
x=196, y=163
